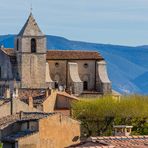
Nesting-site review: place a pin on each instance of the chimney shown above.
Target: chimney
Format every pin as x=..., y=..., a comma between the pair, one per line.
x=16, y=93
x=7, y=93
x=30, y=102
x=122, y=130
x=47, y=93
x=21, y=115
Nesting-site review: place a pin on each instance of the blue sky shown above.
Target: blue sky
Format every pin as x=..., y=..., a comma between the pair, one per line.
x=122, y=22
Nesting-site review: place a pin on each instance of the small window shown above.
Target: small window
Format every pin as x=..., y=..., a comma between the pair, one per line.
x=85, y=65
x=56, y=64
x=33, y=45
x=17, y=44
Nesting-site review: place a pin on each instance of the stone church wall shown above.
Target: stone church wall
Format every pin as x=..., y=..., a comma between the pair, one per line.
x=75, y=85
x=5, y=65
x=86, y=69
x=102, y=81
x=25, y=44
x=58, y=71
x=86, y=73
x=33, y=71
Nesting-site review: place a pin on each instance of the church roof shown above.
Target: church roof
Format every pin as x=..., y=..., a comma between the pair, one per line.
x=73, y=55
x=64, y=54
x=30, y=28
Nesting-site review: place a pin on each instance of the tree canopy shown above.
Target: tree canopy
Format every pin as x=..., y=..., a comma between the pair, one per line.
x=98, y=116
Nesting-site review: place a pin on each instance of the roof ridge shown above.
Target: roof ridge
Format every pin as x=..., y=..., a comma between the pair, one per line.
x=71, y=50
x=120, y=137
x=31, y=20
x=73, y=55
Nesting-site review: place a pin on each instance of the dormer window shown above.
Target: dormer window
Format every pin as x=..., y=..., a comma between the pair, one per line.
x=33, y=45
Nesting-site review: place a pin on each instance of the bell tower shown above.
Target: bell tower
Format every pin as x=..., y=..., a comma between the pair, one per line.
x=30, y=47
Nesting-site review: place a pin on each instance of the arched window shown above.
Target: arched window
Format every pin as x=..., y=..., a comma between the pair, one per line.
x=17, y=44
x=85, y=85
x=33, y=45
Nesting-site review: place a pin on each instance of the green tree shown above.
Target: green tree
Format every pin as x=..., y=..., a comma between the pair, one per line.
x=98, y=116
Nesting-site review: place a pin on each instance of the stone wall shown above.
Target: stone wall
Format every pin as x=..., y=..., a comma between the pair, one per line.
x=14, y=107
x=86, y=73
x=5, y=109
x=24, y=44
x=63, y=102
x=49, y=103
x=58, y=70
x=75, y=85
x=31, y=141
x=86, y=70
x=103, y=83
x=32, y=66
x=33, y=71
x=5, y=66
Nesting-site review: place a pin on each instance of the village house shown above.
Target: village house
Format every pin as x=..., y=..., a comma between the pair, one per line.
x=38, y=130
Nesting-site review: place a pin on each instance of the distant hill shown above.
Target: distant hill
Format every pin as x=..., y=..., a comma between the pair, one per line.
x=127, y=66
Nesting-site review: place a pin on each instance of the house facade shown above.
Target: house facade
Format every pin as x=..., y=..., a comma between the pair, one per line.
x=38, y=130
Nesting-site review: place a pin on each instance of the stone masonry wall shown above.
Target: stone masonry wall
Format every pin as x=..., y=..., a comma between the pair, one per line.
x=87, y=73
x=5, y=65
x=33, y=71
x=58, y=72
x=15, y=107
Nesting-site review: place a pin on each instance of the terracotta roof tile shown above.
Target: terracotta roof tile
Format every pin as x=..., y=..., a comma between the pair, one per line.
x=64, y=54
x=67, y=95
x=73, y=55
x=22, y=116
x=117, y=142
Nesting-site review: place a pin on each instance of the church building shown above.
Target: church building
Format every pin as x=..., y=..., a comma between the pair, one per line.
x=31, y=66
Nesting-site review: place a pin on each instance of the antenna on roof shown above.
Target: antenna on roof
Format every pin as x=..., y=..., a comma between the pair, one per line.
x=31, y=7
